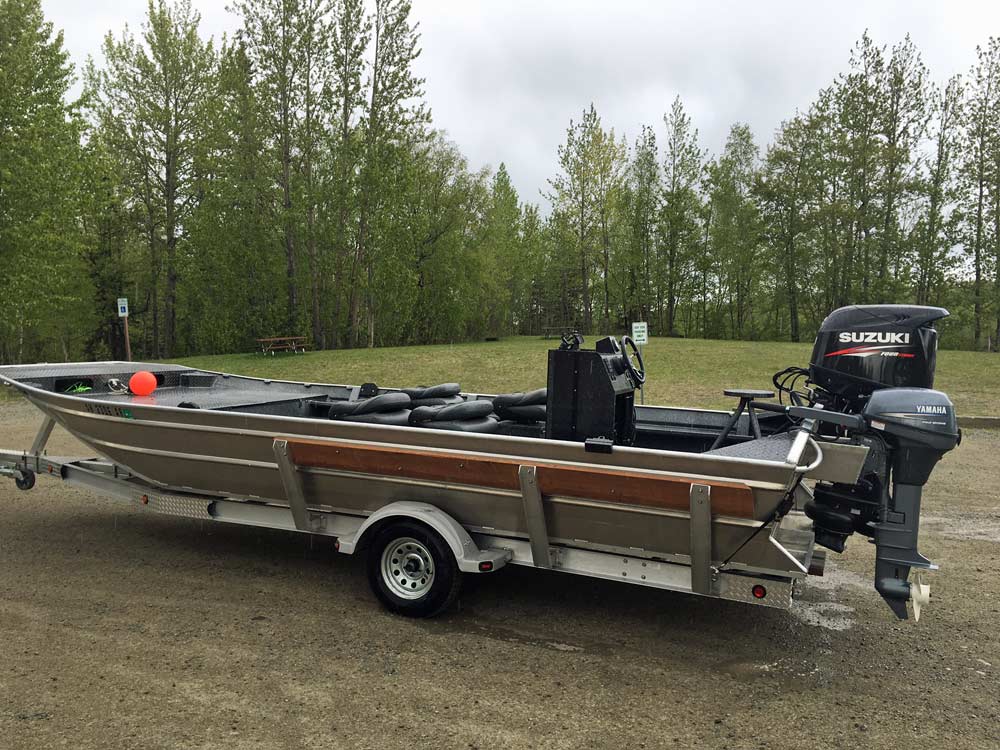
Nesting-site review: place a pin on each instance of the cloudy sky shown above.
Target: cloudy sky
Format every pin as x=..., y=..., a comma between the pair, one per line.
x=504, y=77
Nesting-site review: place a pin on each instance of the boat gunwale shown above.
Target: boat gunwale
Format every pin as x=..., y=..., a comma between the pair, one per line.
x=35, y=395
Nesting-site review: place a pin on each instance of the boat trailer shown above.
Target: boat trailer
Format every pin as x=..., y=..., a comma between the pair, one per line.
x=470, y=549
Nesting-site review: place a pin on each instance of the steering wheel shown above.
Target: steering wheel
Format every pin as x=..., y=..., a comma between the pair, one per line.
x=638, y=373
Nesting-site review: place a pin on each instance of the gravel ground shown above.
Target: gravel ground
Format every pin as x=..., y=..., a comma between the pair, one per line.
x=127, y=631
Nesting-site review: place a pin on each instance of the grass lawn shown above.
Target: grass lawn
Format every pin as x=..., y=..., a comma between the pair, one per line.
x=680, y=372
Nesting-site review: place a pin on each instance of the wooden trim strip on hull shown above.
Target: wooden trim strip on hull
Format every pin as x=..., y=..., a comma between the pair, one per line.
x=618, y=486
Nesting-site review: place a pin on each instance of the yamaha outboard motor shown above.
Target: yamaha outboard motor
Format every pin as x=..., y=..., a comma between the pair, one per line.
x=878, y=361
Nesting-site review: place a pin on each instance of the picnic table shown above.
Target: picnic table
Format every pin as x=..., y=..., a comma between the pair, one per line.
x=282, y=344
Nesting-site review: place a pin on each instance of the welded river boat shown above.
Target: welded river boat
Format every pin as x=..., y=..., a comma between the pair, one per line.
x=433, y=482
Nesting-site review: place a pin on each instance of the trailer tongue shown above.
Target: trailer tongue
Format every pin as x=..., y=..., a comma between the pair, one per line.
x=433, y=482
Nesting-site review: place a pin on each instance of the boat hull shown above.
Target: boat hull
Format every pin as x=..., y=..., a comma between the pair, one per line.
x=230, y=454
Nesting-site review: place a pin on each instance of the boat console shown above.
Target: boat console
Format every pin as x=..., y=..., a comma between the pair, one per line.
x=591, y=393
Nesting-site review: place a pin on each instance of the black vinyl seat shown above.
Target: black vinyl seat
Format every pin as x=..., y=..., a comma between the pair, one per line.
x=435, y=395
x=524, y=407
x=389, y=408
x=467, y=416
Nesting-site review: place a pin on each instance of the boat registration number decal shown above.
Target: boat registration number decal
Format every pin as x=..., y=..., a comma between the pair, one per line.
x=107, y=410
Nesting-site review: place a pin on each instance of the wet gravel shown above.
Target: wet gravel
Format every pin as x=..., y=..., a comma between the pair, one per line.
x=126, y=631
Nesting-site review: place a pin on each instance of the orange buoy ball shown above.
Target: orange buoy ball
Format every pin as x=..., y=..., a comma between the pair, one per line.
x=142, y=383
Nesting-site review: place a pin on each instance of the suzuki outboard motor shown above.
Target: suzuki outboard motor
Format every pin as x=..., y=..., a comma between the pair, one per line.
x=863, y=348
x=878, y=361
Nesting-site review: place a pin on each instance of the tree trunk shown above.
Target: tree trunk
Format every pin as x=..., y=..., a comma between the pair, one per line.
x=170, y=312
x=286, y=189
x=978, y=263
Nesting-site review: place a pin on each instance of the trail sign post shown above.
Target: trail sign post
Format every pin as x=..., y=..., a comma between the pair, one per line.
x=122, y=307
x=640, y=335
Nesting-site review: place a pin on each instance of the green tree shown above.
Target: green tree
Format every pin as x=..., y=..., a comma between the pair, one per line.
x=393, y=121
x=235, y=287
x=501, y=265
x=784, y=193
x=902, y=123
x=285, y=41
x=682, y=171
x=735, y=229
x=351, y=35
x=41, y=168
x=592, y=163
x=979, y=143
x=936, y=233
x=150, y=99
x=640, y=206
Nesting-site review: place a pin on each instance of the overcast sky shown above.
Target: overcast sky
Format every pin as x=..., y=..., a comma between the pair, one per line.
x=504, y=77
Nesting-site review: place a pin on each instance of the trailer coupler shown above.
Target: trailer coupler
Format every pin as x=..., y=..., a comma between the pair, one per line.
x=23, y=477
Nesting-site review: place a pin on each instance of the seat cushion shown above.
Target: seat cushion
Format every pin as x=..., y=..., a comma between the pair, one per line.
x=483, y=424
x=530, y=413
x=399, y=417
x=438, y=401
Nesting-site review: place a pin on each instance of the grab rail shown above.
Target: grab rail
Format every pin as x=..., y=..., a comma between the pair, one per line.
x=819, y=457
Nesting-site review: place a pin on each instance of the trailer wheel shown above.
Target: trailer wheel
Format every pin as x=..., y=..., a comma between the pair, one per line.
x=26, y=480
x=412, y=570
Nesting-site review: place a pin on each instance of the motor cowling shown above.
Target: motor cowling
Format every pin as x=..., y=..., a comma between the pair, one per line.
x=921, y=426
x=864, y=348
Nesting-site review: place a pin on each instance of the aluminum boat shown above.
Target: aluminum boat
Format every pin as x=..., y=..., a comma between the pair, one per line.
x=575, y=476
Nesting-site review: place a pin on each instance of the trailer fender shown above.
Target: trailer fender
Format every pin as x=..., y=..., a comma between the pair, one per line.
x=470, y=558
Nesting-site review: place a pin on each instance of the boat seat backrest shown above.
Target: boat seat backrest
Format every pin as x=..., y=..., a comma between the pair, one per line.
x=389, y=408
x=443, y=390
x=438, y=401
x=464, y=410
x=468, y=416
x=527, y=406
x=376, y=404
x=435, y=395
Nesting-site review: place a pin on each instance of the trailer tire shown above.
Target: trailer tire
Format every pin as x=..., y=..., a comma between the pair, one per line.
x=412, y=570
x=26, y=481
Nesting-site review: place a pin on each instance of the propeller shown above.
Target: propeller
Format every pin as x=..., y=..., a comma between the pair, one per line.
x=920, y=595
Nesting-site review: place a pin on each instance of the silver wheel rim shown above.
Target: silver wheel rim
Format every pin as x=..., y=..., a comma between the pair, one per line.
x=407, y=568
